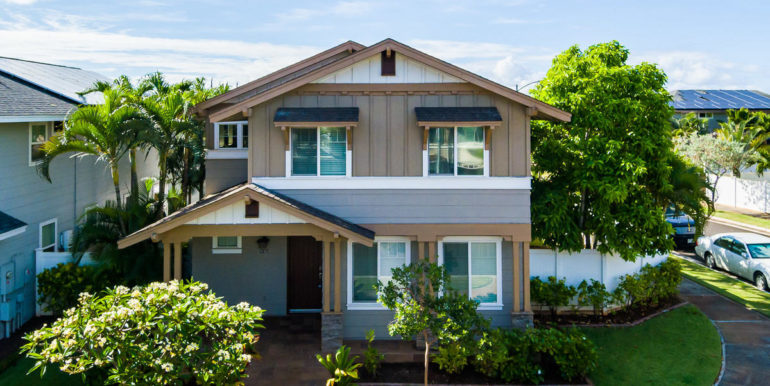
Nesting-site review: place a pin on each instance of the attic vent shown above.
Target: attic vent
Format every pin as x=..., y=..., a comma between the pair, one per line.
x=388, y=62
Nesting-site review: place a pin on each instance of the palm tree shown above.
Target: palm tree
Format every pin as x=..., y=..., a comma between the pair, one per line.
x=99, y=130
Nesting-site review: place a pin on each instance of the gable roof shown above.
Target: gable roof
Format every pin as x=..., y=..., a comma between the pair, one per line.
x=64, y=81
x=10, y=226
x=719, y=100
x=541, y=109
x=236, y=193
x=20, y=100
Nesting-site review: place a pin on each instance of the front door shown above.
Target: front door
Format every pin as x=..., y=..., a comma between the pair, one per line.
x=304, y=262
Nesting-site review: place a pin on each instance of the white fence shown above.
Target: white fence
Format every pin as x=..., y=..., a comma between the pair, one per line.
x=585, y=265
x=45, y=260
x=743, y=193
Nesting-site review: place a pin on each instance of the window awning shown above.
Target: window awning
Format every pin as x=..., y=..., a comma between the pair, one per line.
x=10, y=226
x=455, y=116
x=317, y=116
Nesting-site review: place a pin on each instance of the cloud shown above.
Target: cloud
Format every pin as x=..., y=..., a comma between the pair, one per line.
x=19, y=2
x=693, y=69
x=344, y=9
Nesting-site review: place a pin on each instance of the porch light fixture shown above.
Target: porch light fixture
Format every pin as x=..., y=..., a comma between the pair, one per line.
x=262, y=244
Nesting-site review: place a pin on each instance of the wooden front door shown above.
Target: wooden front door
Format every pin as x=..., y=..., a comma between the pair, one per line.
x=304, y=260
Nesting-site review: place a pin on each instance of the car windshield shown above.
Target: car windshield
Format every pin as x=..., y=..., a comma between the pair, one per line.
x=760, y=251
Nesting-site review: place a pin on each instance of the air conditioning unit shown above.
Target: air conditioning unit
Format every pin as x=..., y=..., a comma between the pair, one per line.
x=64, y=240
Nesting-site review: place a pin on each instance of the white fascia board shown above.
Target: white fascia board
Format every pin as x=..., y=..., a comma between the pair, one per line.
x=453, y=182
x=13, y=232
x=227, y=154
x=31, y=118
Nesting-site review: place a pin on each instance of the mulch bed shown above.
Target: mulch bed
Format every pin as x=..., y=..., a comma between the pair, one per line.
x=622, y=317
x=408, y=373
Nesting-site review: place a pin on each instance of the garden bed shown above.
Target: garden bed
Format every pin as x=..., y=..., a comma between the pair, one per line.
x=625, y=316
x=412, y=373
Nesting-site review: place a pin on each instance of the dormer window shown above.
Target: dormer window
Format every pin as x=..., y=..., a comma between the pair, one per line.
x=231, y=135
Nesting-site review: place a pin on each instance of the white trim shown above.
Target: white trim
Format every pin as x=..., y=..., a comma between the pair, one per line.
x=238, y=133
x=348, y=155
x=13, y=232
x=433, y=182
x=31, y=118
x=499, y=266
x=55, y=244
x=425, y=160
x=227, y=154
x=223, y=251
x=378, y=239
x=30, y=143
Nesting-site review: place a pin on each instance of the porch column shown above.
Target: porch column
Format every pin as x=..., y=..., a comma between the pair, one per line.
x=421, y=250
x=432, y=252
x=338, y=275
x=525, y=278
x=327, y=275
x=166, y=261
x=177, y=261
x=517, y=268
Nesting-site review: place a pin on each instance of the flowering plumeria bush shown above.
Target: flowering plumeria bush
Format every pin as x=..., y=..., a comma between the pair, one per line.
x=162, y=333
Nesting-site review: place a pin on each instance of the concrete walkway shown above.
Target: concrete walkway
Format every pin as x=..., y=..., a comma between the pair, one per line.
x=746, y=335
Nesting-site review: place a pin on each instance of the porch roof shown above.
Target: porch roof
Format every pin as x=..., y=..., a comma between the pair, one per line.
x=255, y=192
x=10, y=226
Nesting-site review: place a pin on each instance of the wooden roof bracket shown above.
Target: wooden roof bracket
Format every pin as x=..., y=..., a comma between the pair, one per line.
x=425, y=134
x=285, y=138
x=349, y=136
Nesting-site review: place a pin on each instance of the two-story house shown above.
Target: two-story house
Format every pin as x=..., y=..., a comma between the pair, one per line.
x=35, y=98
x=355, y=161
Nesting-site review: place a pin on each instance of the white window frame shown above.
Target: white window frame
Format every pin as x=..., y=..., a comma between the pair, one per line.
x=30, y=143
x=706, y=115
x=426, y=158
x=359, y=305
x=288, y=160
x=239, y=134
x=55, y=244
x=479, y=239
x=215, y=249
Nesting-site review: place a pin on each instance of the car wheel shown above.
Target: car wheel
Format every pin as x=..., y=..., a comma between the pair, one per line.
x=760, y=281
x=710, y=261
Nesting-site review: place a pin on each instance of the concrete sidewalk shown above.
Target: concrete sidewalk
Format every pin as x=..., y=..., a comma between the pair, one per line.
x=746, y=335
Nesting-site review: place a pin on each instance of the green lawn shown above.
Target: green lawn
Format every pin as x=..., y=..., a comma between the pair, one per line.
x=17, y=375
x=746, y=219
x=729, y=287
x=680, y=347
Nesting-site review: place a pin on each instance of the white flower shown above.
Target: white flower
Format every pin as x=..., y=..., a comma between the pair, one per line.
x=121, y=290
x=245, y=357
x=167, y=367
x=191, y=347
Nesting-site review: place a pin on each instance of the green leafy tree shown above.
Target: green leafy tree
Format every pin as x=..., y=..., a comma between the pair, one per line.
x=688, y=124
x=427, y=307
x=604, y=179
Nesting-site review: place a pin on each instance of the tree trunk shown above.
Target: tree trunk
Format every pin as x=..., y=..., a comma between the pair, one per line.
x=116, y=183
x=163, y=159
x=427, y=355
x=134, y=176
x=185, y=172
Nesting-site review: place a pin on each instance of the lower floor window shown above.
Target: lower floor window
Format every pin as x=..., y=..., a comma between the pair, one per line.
x=48, y=236
x=226, y=244
x=373, y=264
x=474, y=268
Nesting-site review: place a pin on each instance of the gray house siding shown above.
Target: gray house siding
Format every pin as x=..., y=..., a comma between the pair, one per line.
x=224, y=173
x=77, y=184
x=444, y=206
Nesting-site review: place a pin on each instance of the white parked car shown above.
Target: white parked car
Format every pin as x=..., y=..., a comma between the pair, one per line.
x=743, y=254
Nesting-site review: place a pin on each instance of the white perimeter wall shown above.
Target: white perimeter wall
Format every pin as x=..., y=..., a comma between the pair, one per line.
x=743, y=193
x=585, y=265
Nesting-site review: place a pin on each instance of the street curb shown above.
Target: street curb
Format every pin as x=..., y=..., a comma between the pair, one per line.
x=737, y=224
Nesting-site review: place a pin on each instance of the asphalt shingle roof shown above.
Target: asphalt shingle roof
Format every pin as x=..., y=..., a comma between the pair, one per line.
x=8, y=223
x=458, y=114
x=19, y=98
x=316, y=114
x=719, y=100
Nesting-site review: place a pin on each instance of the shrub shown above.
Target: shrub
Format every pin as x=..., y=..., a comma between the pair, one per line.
x=552, y=293
x=594, y=295
x=342, y=368
x=372, y=357
x=516, y=356
x=59, y=287
x=161, y=333
x=451, y=358
x=651, y=285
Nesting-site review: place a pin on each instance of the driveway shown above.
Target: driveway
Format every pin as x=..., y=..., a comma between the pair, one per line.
x=746, y=335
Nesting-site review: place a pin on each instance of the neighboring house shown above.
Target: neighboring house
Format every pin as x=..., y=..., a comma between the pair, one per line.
x=34, y=214
x=358, y=160
x=713, y=104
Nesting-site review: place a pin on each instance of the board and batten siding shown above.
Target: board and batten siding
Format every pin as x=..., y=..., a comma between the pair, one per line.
x=387, y=140
x=224, y=173
x=407, y=206
x=407, y=71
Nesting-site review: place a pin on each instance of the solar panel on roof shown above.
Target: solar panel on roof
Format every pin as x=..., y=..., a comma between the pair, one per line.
x=719, y=100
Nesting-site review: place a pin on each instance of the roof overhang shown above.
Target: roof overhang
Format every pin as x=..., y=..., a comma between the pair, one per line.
x=536, y=109
x=257, y=193
x=31, y=118
x=13, y=232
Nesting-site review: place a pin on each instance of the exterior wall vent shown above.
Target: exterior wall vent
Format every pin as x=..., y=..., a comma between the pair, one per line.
x=388, y=62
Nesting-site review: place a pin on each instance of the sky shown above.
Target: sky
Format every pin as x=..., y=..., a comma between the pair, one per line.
x=699, y=44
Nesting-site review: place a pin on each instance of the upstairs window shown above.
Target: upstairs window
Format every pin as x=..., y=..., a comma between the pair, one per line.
x=38, y=135
x=231, y=135
x=47, y=237
x=319, y=151
x=456, y=151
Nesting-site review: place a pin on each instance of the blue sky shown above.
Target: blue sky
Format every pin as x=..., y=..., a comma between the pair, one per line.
x=700, y=44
